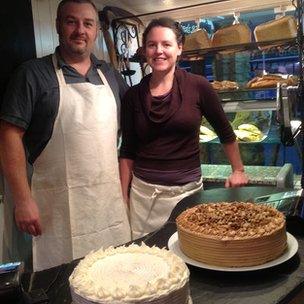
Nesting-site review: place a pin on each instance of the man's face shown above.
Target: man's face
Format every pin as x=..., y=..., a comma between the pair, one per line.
x=77, y=29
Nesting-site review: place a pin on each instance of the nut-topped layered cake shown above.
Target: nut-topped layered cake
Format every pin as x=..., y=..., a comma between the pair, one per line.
x=232, y=234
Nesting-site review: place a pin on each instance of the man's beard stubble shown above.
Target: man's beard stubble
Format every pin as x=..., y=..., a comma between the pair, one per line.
x=73, y=48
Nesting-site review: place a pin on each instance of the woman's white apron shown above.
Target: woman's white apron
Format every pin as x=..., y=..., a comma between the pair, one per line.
x=151, y=205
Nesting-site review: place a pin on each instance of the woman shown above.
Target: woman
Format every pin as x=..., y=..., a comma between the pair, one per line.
x=161, y=116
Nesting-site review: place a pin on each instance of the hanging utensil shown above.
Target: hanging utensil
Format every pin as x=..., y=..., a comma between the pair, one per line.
x=105, y=16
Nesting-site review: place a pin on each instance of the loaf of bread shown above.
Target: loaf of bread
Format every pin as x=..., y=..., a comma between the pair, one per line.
x=197, y=40
x=282, y=28
x=230, y=35
x=270, y=81
x=224, y=85
x=266, y=81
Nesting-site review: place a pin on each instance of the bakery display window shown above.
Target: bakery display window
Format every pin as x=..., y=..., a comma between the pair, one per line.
x=248, y=78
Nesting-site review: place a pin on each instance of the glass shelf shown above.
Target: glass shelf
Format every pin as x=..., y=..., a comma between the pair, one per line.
x=248, y=105
x=239, y=47
x=244, y=90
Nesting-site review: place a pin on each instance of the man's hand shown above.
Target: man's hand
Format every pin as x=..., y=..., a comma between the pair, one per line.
x=236, y=179
x=27, y=217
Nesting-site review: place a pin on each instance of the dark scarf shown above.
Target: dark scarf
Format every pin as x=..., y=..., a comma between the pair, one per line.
x=176, y=96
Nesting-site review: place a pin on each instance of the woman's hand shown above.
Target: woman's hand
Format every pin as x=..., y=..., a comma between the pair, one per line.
x=236, y=179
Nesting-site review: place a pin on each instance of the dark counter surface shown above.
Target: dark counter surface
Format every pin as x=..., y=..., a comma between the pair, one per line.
x=279, y=284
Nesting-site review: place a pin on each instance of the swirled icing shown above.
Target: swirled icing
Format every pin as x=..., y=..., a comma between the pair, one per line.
x=129, y=274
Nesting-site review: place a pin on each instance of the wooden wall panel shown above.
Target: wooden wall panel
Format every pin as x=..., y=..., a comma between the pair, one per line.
x=44, y=15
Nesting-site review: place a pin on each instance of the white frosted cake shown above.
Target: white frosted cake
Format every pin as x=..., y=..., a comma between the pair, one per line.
x=133, y=274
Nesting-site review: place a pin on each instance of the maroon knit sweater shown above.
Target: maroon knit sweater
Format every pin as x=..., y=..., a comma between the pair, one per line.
x=172, y=141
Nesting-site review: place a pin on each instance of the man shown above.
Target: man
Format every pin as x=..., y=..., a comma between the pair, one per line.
x=64, y=108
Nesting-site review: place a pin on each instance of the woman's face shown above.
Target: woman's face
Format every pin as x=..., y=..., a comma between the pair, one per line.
x=162, y=49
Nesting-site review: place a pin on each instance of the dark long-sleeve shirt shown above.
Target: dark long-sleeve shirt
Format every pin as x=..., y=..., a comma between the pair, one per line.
x=170, y=143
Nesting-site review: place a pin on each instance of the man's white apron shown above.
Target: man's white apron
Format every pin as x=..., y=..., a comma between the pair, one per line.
x=76, y=181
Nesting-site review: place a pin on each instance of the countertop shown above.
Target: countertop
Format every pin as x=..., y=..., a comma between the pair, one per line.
x=279, y=284
x=281, y=177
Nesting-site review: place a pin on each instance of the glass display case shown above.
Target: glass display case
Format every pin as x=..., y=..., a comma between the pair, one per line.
x=274, y=110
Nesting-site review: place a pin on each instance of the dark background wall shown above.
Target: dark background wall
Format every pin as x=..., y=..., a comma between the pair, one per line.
x=17, y=41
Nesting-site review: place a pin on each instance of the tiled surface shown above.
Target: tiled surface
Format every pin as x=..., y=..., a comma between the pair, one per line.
x=257, y=174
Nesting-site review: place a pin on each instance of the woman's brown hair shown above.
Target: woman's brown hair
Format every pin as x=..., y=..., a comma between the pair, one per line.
x=165, y=22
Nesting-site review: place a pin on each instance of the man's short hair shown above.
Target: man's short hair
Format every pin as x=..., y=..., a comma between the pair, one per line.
x=64, y=2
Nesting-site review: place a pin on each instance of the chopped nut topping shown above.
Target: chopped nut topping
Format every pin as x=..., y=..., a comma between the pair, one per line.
x=232, y=220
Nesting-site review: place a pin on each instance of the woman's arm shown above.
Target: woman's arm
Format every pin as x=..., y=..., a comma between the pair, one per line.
x=125, y=171
x=213, y=111
x=128, y=145
x=238, y=177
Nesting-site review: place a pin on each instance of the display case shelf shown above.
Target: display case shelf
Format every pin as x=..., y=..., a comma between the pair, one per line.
x=278, y=58
x=230, y=106
x=252, y=46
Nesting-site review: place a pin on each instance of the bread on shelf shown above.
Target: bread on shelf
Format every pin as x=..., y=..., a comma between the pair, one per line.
x=197, y=40
x=224, y=85
x=231, y=35
x=279, y=29
x=271, y=81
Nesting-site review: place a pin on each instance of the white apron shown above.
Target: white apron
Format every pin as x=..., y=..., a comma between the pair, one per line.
x=76, y=179
x=151, y=205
